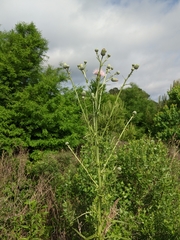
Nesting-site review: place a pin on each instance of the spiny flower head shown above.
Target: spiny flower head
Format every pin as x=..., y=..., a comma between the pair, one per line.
x=113, y=79
x=81, y=66
x=103, y=52
x=65, y=66
x=135, y=66
x=96, y=72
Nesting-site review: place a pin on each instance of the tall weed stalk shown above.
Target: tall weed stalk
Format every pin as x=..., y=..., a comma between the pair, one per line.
x=96, y=137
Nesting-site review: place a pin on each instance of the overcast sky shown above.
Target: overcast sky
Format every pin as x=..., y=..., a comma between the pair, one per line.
x=144, y=32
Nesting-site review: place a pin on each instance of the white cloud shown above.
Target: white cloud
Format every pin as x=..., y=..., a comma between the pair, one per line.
x=145, y=32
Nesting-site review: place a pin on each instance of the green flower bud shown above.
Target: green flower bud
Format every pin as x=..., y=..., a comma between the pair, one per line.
x=134, y=112
x=96, y=50
x=65, y=66
x=83, y=93
x=103, y=52
x=135, y=66
x=81, y=66
x=117, y=73
x=119, y=168
x=108, y=55
x=108, y=66
x=113, y=79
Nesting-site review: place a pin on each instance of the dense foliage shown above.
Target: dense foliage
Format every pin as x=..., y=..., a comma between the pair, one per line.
x=47, y=198
x=135, y=98
x=22, y=51
x=35, y=112
x=167, y=120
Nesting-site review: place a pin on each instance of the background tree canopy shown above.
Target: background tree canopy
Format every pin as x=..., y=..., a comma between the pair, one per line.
x=136, y=99
x=167, y=120
x=35, y=112
x=22, y=51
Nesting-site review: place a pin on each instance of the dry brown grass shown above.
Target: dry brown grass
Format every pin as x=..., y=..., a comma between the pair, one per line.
x=18, y=186
x=111, y=216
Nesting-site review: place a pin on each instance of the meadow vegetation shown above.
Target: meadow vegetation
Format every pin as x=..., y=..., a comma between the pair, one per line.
x=83, y=162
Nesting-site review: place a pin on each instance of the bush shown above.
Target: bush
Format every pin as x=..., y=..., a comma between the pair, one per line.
x=148, y=173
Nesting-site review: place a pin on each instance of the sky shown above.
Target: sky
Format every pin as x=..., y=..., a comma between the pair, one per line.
x=144, y=32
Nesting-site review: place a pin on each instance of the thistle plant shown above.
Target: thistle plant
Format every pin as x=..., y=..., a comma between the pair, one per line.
x=102, y=211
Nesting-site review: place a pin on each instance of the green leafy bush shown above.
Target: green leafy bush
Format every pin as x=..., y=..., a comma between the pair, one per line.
x=147, y=171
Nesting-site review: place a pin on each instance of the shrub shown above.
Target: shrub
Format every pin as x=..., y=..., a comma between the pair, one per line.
x=148, y=172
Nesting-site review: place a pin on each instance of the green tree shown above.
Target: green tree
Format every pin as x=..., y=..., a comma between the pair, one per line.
x=174, y=94
x=136, y=99
x=43, y=116
x=167, y=123
x=22, y=51
x=35, y=112
x=167, y=120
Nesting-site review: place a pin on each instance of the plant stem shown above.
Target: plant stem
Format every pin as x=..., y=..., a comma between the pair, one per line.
x=99, y=190
x=115, y=145
x=117, y=98
x=82, y=165
x=82, y=109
